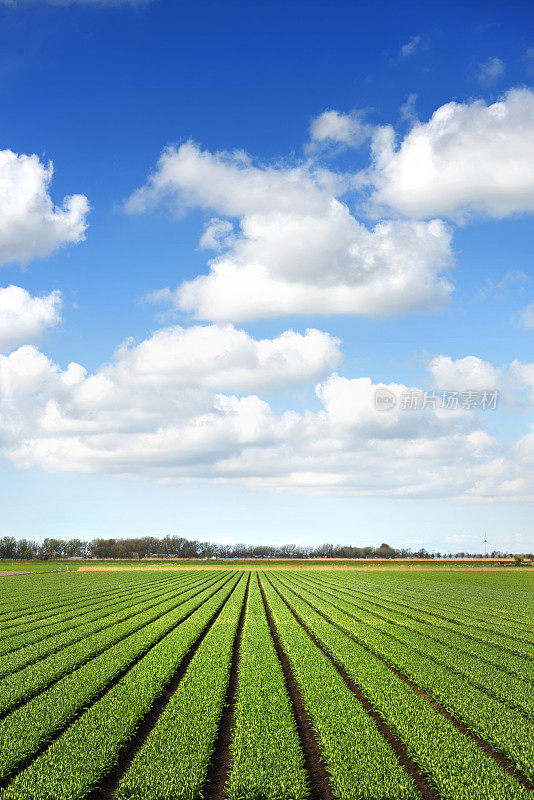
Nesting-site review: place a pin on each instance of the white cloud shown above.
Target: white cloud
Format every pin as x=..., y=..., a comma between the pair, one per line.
x=527, y=316
x=144, y=418
x=514, y=381
x=468, y=158
x=225, y=358
x=334, y=127
x=490, y=70
x=407, y=110
x=464, y=374
x=298, y=248
x=31, y=226
x=176, y=408
x=24, y=318
x=410, y=47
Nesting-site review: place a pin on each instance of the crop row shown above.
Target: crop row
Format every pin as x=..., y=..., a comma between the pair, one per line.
x=474, y=592
x=174, y=760
x=501, y=631
x=359, y=761
x=24, y=730
x=35, y=677
x=453, y=763
x=27, y=632
x=95, y=622
x=506, y=729
x=32, y=606
x=44, y=618
x=474, y=601
x=475, y=669
x=447, y=634
x=89, y=747
x=264, y=726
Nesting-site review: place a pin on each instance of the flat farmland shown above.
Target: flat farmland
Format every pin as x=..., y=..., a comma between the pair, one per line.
x=267, y=684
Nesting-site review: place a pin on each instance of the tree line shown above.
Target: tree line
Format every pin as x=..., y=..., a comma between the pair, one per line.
x=178, y=547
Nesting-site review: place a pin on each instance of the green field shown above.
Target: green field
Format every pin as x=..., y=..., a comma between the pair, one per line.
x=267, y=685
x=289, y=563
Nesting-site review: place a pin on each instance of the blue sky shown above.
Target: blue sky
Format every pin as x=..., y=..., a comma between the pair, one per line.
x=299, y=141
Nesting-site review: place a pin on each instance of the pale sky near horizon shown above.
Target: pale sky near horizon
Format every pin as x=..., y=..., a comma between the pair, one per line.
x=223, y=228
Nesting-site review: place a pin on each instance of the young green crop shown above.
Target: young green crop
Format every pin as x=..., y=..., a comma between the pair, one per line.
x=422, y=622
x=360, y=763
x=264, y=726
x=493, y=678
x=26, y=729
x=77, y=760
x=505, y=635
x=35, y=677
x=30, y=632
x=505, y=728
x=453, y=763
x=34, y=600
x=174, y=760
x=88, y=625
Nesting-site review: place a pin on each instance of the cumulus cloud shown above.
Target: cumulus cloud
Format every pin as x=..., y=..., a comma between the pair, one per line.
x=183, y=405
x=24, y=318
x=153, y=413
x=466, y=373
x=225, y=358
x=334, y=127
x=31, y=225
x=297, y=248
x=514, y=381
x=490, y=70
x=468, y=158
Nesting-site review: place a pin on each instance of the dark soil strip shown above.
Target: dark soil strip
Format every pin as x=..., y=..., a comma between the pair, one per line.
x=42, y=689
x=314, y=764
x=412, y=768
x=22, y=765
x=109, y=783
x=491, y=751
x=219, y=768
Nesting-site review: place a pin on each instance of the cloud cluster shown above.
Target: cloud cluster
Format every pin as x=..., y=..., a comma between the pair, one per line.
x=514, y=381
x=154, y=412
x=459, y=374
x=296, y=249
x=468, y=158
x=335, y=127
x=225, y=358
x=189, y=404
x=31, y=226
x=490, y=70
x=24, y=318
x=193, y=403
